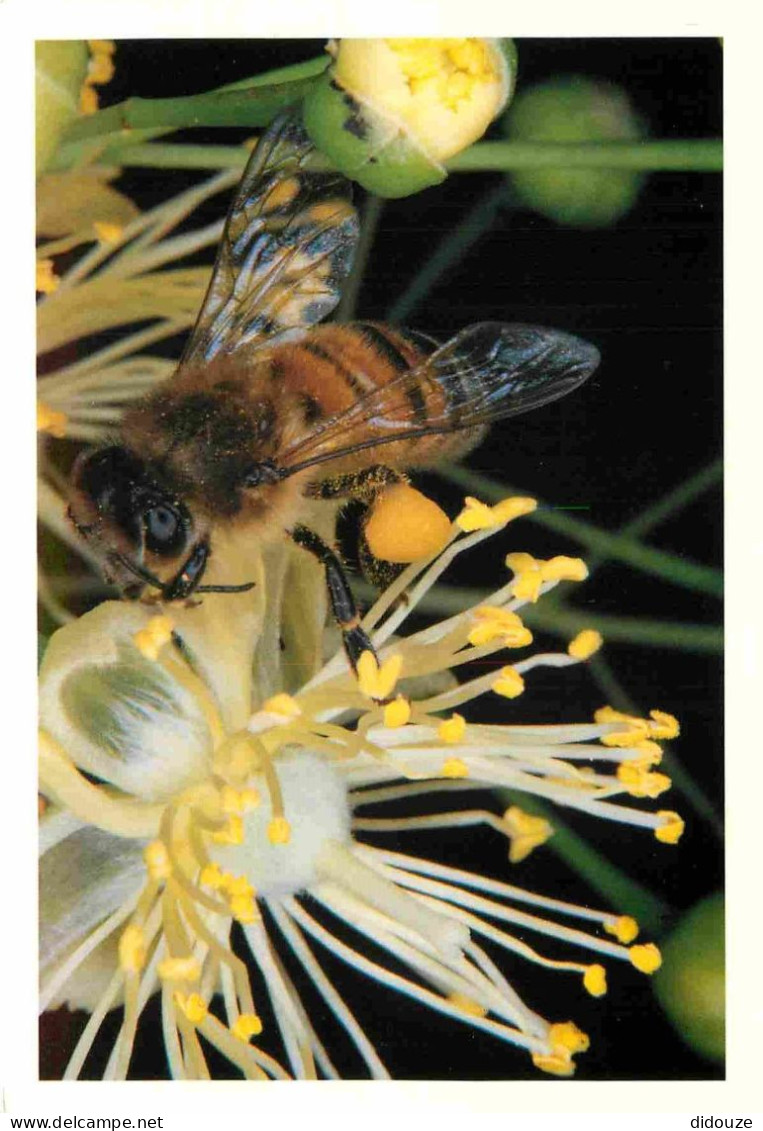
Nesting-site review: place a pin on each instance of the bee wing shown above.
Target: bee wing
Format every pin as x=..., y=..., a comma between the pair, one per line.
x=286, y=248
x=485, y=373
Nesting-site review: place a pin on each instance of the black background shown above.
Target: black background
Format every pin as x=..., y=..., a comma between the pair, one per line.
x=648, y=293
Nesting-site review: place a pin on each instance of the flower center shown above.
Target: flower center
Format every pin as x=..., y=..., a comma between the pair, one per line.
x=316, y=805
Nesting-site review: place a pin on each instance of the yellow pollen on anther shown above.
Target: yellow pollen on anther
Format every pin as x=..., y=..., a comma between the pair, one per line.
x=243, y=908
x=279, y=831
x=672, y=827
x=378, y=681
x=237, y=885
x=585, y=644
x=46, y=280
x=398, y=712
x=282, y=704
x=595, y=980
x=132, y=949
x=494, y=624
x=52, y=421
x=509, y=684
x=186, y=969
x=565, y=1034
x=649, y=753
x=157, y=861
x=212, y=876
x=639, y=782
x=88, y=100
x=467, y=1005
x=246, y=1026
x=565, y=1039
x=454, y=768
x=479, y=516
x=192, y=1005
x=526, y=832
x=645, y=957
x=106, y=232
x=663, y=725
x=150, y=639
x=562, y=568
x=625, y=929
x=231, y=833
x=452, y=729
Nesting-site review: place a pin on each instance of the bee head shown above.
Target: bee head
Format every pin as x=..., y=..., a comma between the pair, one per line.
x=123, y=513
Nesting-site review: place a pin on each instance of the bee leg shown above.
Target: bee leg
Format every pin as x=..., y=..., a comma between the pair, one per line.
x=362, y=485
x=343, y=605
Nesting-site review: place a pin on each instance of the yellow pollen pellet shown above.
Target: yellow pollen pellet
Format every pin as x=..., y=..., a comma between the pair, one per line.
x=132, y=949
x=397, y=713
x=585, y=644
x=193, y=1006
x=663, y=725
x=46, y=280
x=246, y=1025
x=157, y=861
x=509, y=684
x=282, y=704
x=243, y=908
x=454, y=768
x=378, y=681
x=186, y=969
x=625, y=929
x=231, y=833
x=52, y=421
x=467, y=1005
x=405, y=526
x=645, y=957
x=279, y=831
x=150, y=639
x=106, y=232
x=672, y=827
x=452, y=729
x=595, y=980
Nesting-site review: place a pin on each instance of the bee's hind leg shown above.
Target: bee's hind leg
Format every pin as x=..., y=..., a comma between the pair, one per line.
x=354, y=638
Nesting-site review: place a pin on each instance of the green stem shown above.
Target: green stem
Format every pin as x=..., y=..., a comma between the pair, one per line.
x=449, y=251
x=704, y=155
x=618, y=697
x=150, y=155
x=678, y=570
x=621, y=893
x=675, y=500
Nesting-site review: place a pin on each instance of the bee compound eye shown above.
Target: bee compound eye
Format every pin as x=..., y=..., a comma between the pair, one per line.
x=165, y=530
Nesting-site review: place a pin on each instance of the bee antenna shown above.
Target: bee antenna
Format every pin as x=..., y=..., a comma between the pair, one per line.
x=141, y=572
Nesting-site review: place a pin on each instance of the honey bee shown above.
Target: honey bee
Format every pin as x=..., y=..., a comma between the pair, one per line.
x=267, y=409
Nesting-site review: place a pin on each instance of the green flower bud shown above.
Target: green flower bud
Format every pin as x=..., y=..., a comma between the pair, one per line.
x=569, y=109
x=691, y=983
x=60, y=69
x=389, y=112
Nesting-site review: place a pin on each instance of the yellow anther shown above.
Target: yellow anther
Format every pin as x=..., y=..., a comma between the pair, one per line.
x=494, y=623
x=282, y=704
x=526, y=832
x=212, y=876
x=509, y=684
x=398, y=712
x=595, y=980
x=467, y=1005
x=556, y=1064
x=452, y=729
x=378, y=681
x=243, y=908
x=246, y=1026
x=231, y=833
x=645, y=957
x=279, y=831
x=192, y=1005
x=52, y=421
x=625, y=929
x=157, y=861
x=637, y=729
x=106, y=232
x=640, y=783
x=454, y=768
x=88, y=100
x=565, y=1034
x=565, y=1039
x=663, y=725
x=480, y=516
x=405, y=526
x=150, y=639
x=132, y=949
x=186, y=969
x=563, y=568
x=649, y=753
x=237, y=885
x=585, y=644
x=249, y=798
x=672, y=827
x=46, y=280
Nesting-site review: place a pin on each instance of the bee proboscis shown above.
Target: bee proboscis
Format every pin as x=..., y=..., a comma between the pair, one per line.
x=267, y=407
